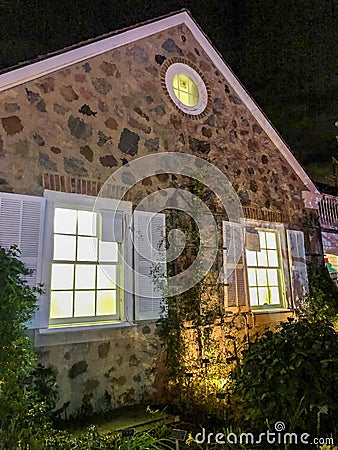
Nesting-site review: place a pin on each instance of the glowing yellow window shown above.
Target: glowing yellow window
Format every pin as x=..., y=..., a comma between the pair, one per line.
x=185, y=89
x=85, y=270
x=265, y=272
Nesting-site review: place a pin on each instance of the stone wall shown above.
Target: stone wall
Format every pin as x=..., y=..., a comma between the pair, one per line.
x=71, y=129
x=87, y=120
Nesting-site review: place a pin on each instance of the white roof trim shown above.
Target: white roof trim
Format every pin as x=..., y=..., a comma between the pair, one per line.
x=70, y=57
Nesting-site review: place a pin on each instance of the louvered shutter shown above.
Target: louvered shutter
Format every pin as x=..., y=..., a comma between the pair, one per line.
x=149, y=257
x=21, y=224
x=236, y=292
x=297, y=264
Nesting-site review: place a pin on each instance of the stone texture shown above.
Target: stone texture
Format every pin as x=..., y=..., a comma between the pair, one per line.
x=87, y=111
x=74, y=166
x=60, y=109
x=108, y=69
x=41, y=106
x=101, y=86
x=138, y=53
x=159, y=110
x=46, y=163
x=79, y=128
x=12, y=125
x=12, y=107
x=206, y=132
x=234, y=99
x=103, y=349
x=199, y=146
x=139, y=126
x=108, y=161
x=103, y=139
x=87, y=152
x=68, y=93
x=129, y=142
x=39, y=139
x=77, y=369
x=111, y=123
x=152, y=145
x=47, y=85
x=160, y=59
x=170, y=46
x=32, y=96
x=56, y=150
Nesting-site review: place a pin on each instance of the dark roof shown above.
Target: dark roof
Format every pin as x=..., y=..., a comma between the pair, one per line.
x=90, y=41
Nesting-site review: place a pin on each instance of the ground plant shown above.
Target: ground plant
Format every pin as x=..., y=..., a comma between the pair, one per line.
x=25, y=387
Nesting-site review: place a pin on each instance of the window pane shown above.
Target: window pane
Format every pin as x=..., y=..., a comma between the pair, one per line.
x=263, y=295
x=64, y=247
x=275, y=296
x=85, y=277
x=87, y=223
x=271, y=240
x=106, y=303
x=252, y=277
x=61, y=305
x=253, y=297
x=262, y=242
x=65, y=221
x=273, y=258
x=108, y=251
x=62, y=276
x=261, y=277
x=272, y=277
x=86, y=249
x=262, y=259
x=251, y=258
x=84, y=303
x=106, y=277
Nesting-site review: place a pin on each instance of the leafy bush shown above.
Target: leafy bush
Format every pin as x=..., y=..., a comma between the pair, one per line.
x=24, y=407
x=322, y=301
x=291, y=376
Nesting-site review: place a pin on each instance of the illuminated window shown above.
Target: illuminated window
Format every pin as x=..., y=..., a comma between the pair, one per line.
x=86, y=270
x=186, y=88
x=265, y=272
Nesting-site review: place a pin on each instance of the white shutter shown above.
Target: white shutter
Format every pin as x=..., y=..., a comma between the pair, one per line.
x=297, y=264
x=149, y=257
x=236, y=292
x=21, y=224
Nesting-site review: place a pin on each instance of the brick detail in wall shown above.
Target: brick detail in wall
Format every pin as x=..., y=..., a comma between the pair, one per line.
x=263, y=215
x=73, y=185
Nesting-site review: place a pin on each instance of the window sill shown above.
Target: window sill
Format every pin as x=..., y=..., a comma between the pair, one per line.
x=272, y=311
x=81, y=333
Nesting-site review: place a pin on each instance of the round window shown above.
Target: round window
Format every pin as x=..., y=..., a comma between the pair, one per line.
x=186, y=88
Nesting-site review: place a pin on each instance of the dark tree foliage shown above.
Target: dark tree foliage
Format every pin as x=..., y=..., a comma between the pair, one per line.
x=282, y=50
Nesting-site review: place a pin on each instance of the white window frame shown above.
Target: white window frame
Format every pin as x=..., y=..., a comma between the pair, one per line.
x=176, y=69
x=283, y=266
x=79, y=201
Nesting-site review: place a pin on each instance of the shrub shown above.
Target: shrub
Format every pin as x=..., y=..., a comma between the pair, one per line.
x=322, y=301
x=291, y=376
x=23, y=406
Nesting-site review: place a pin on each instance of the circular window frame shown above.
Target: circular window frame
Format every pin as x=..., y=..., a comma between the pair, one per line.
x=177, y=68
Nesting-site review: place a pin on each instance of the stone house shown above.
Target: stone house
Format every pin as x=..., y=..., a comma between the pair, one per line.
x=72, y=120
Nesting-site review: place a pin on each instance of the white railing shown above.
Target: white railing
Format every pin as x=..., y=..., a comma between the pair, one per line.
x=328, y=212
